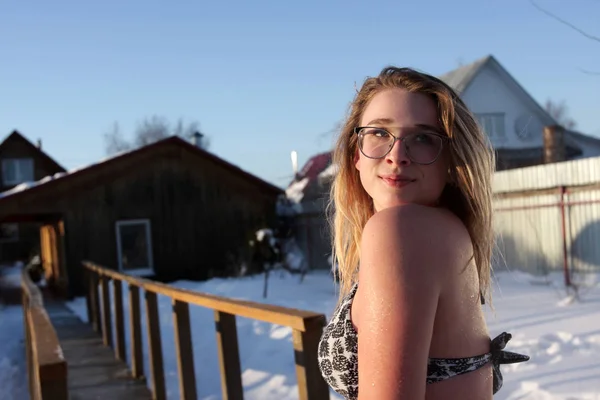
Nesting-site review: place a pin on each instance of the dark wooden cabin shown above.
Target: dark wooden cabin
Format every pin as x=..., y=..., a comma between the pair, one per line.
x=20, y=162
x=169, y=210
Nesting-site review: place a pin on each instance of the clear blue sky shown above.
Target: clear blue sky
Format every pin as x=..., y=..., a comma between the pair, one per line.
x=263, y=77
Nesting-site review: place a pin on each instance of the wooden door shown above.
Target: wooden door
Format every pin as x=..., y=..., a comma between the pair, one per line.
x=52, y=257
x=49, y=252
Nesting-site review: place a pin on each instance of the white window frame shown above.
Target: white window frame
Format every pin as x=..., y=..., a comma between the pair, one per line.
x=495, y=120
x=12, y=239
x=149, y=270
x=17, y=162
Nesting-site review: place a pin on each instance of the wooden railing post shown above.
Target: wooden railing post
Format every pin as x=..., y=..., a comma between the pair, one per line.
x=52, y=384
x=185, y=350
x=119, y=321
x=89, y=301
x=135, y=330
x=229, y=356
x=106, y=314
x=311, y=384
x=155, y=347
x=28, y=344
x=96, y=318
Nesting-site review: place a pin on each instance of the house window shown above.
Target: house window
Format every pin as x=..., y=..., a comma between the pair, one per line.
x=492, y=124
x=17, y=170
x=134, y=247
x=9, y=233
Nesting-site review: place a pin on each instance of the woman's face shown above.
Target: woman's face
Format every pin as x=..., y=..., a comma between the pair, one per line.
x=395, y=178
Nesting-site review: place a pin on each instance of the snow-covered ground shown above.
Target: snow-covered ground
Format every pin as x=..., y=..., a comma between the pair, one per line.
x=13, y=379
x=561, y=336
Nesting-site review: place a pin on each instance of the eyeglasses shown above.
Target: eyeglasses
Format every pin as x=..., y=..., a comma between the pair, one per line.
x=421, y=147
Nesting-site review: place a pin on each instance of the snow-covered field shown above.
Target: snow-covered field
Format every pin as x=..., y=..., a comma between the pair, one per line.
x=561, y=335
x=13, y=379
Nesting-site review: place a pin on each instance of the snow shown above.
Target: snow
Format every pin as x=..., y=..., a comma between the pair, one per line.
x=295, y=192
x=30, y=184
x=328, y=172
x=562, y=337
x=12, y=354
x=261, y=233
x=13, y=379
x=11, y=274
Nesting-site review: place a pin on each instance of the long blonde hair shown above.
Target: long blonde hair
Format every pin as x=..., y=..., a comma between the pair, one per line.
x=469, y=196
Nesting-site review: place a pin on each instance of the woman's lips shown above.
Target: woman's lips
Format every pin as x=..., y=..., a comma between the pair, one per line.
x=396, y=181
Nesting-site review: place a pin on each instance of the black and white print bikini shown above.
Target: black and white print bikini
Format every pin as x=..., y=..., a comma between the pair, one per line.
x=338, y=355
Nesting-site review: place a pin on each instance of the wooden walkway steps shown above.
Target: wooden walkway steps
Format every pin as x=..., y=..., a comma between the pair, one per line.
x=93, y=370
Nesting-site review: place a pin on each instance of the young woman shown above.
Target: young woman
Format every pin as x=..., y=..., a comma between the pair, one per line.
x=412, y=232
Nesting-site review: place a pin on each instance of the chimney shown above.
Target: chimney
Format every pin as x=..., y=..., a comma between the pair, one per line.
x=197, y=139
x=554, y=144
x=39, y=144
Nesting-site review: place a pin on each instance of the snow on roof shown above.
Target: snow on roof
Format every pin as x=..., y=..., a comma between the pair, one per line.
x=28, y=185
x=295, y=192
x=50, y=178
x=328, y=172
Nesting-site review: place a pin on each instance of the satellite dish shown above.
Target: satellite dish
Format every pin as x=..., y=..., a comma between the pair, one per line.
x=528, y=127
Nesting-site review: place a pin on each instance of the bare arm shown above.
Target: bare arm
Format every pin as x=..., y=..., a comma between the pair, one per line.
x=403, y=255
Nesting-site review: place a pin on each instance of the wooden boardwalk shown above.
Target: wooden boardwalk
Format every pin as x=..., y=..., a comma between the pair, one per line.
x=93, y=370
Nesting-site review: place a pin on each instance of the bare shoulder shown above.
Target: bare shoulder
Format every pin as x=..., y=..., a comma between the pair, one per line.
x=414, y=216
x=424, y=234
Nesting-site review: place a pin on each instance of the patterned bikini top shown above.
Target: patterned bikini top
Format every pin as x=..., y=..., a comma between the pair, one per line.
x=338, y=355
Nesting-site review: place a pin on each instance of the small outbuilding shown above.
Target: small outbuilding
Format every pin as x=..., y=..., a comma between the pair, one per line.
x=169, y=210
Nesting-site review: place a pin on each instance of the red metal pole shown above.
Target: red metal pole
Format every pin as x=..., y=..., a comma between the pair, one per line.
x=564, y=235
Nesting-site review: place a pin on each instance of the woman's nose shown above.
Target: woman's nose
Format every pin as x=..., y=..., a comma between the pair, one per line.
x=398, y=154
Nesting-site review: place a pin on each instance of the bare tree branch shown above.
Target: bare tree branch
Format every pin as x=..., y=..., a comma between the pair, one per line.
x=560, y=113
x=114, y=142
x=564, y=22
x=150, y=130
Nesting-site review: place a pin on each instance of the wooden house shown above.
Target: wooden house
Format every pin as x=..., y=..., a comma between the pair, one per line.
x=169, y=210
x=21, y=162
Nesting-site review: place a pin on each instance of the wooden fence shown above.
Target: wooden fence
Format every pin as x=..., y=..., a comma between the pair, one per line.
x=306, y=326
x=46, y=366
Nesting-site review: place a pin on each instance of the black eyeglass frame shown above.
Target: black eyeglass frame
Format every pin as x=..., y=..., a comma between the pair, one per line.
x=445, y=139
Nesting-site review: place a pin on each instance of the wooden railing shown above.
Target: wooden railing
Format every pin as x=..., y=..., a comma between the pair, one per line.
x=46, y=366
x=306, y=327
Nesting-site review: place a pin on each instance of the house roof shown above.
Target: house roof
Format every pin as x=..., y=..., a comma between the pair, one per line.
x=461, y=77
x=48, y=182
x=578, y=135
x=307, y=180
x=17, y=135
x=315, y=165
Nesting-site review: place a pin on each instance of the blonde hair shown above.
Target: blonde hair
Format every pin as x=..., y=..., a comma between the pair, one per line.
x=469, y=196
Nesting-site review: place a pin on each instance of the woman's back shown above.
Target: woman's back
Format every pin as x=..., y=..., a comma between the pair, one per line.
x=460, y=331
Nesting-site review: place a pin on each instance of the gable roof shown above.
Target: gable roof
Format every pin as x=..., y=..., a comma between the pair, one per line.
x=16, y=135
x=63, y=177
x=462, y=76
x=315, y=165
x=306, y=182
x=460, y=79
